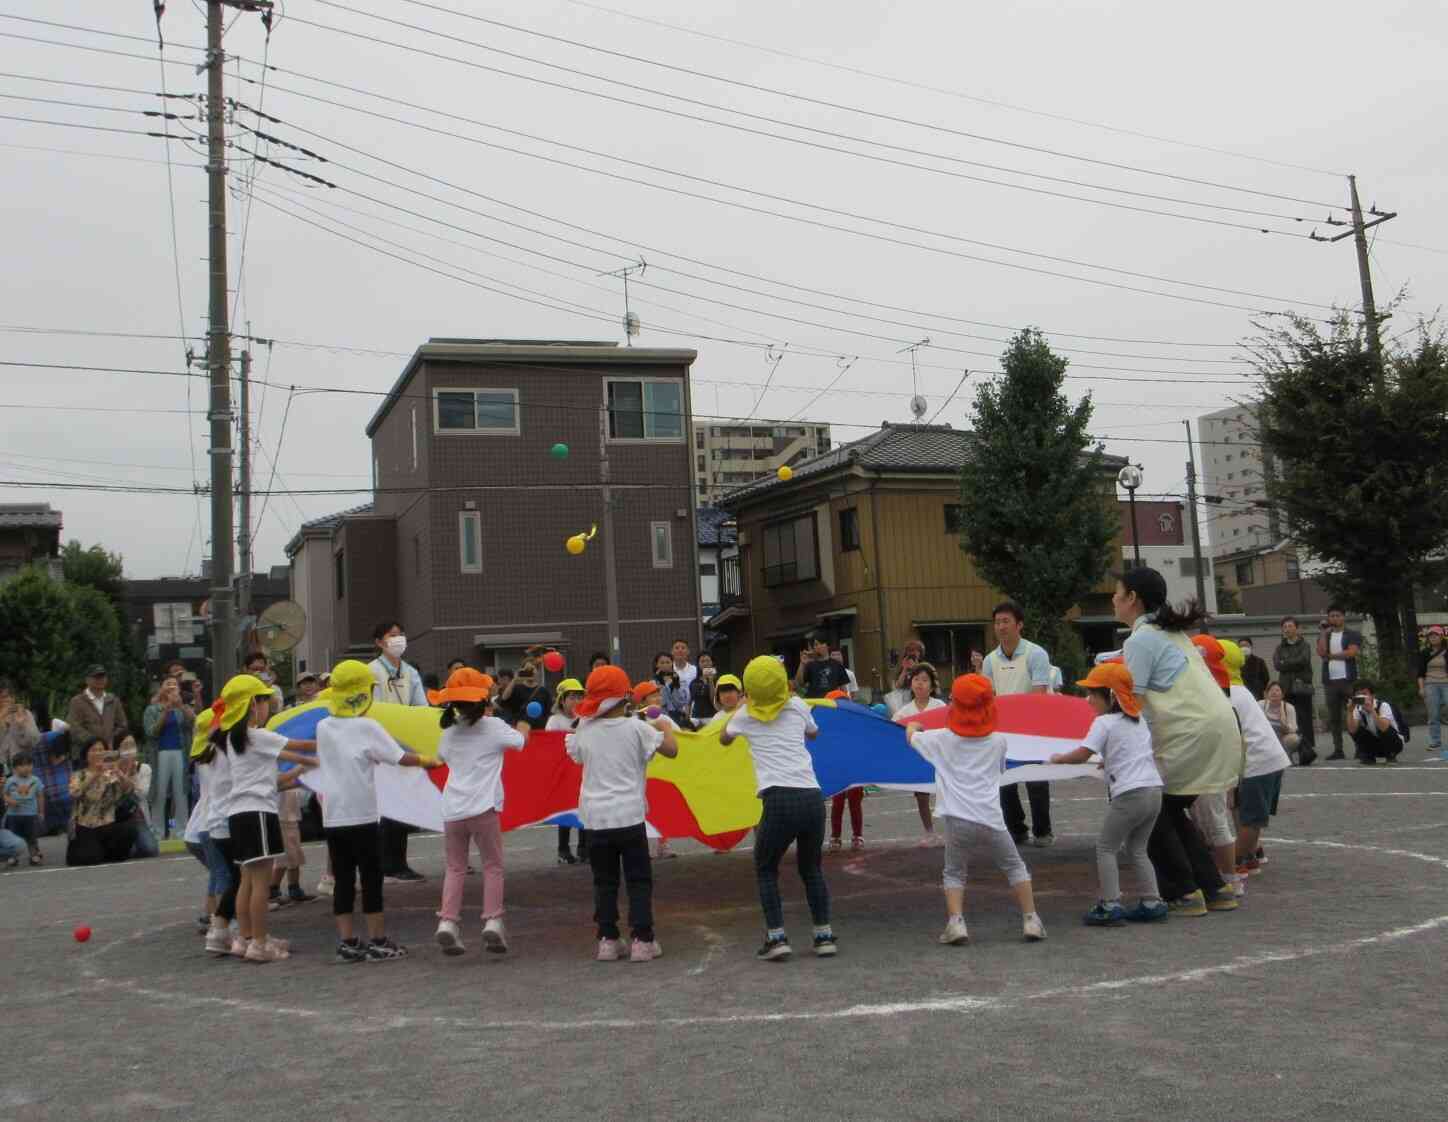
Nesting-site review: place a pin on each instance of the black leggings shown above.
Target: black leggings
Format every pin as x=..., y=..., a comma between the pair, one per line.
x=97, y=845
x=226, y=906
x=628, y=848
x=1178, y=852
x=791, y=814
x=356, y=849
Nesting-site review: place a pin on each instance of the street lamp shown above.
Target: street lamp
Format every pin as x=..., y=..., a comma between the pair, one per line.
x=1130, y=478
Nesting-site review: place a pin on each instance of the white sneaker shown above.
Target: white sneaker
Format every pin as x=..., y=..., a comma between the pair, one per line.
x=495, y=939
x=1033, y=929
x=239, y=946
x=1238, y=885
x=448, y=937
x=218, y=941
x=955, y=933
x=609, y=950
x=327, y=885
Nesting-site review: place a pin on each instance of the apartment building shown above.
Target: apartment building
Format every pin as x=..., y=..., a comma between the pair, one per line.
x=728, y=456
x=1236, y=470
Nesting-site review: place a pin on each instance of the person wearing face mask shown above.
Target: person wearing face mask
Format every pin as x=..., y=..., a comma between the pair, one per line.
x=1255, y=675
x=258, y=667
x=398, y=683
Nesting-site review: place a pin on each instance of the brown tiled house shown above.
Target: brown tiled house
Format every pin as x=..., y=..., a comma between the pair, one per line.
x=464, y=539
x=863, y=542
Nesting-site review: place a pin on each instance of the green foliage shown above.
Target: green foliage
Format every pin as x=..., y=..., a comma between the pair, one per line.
x=1036, y=515
x=50, y=632
x=94, y=568
x=1360, y=453
x=1394, y=676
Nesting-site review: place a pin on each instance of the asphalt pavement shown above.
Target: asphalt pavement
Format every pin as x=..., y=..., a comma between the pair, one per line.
x=1322, y=997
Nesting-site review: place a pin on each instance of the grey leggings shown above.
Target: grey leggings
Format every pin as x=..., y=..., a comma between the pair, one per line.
x=1129, y=819
x=961, y=834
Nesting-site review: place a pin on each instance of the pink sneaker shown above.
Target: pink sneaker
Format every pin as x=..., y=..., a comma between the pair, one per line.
x=609, y=950
x=266, y=951
x=239, y=945
x=645, y=952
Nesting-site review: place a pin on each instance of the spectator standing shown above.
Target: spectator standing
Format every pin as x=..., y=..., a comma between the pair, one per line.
x=258, y=667
x=685, y=669
x=673, y=694
x=18, y=731
x=701, y=692
x=910, y=655
x=96, y=714
x=924, y=686
x=1373, y=727
x=1338, y=646
x=1019, y=666
x=851, y=686
x=1293, y=662
x=1433, y=685
x=1255, y=675
x=308, y=687
x=52, y=765
x=818, y=674
x=398, y=683
x=169, y=724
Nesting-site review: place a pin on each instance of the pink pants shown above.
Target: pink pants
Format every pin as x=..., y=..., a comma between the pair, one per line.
x=458, y=837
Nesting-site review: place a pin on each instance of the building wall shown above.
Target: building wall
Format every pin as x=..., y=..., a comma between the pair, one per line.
x=727, y=456
x=313, y=587
x=1175, y=564
x=1234, y=467
x=369, y=595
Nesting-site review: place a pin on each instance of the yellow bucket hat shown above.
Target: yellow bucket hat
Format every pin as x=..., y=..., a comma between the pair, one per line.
x=350, y=694
x=1233, y=659
x=566, y=687
x=767, y=685
x=204, y=720
x=236, y=698
x=726, y=681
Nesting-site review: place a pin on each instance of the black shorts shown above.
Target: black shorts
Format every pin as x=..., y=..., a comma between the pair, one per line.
x=256, y=835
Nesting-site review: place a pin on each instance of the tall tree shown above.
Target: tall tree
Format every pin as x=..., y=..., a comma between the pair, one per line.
x=50, y=632
x=1036, y=514
x=1360, y=450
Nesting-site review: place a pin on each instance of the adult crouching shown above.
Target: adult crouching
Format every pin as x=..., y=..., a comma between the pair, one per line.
x=96, y=791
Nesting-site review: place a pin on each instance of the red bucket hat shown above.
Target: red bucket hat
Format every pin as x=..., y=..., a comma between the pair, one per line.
x=604, y=684
x=972, y=706
x=1214, y=657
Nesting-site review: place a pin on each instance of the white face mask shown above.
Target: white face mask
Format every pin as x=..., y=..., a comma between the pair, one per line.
x=395, y=646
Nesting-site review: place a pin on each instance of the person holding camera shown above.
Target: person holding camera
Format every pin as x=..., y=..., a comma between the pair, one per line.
x=1373, y=727
x=674, y=696
x=818, y=674
x=169, y=724
x=1338, y=647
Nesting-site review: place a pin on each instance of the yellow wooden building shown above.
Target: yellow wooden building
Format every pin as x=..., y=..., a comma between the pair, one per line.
x=863, y=543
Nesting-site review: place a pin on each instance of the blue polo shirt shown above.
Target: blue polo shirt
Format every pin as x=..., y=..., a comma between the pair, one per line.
x=1154, y=661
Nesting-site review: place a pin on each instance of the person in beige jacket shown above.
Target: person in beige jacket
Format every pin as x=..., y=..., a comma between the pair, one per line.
x=94, y=712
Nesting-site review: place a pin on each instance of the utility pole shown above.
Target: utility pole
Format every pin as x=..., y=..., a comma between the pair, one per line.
x=1359, y=234
x=218, y=360
x=610, y=554
x=243, y=538
x=1192, y=515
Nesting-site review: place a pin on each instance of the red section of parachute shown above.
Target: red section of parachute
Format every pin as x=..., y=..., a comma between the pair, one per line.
x=670, y=815
x=1030, y=714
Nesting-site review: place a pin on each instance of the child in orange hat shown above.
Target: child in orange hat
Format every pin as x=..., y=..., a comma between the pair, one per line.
x=615, y=754
x=1133, y=790
x=969, y=757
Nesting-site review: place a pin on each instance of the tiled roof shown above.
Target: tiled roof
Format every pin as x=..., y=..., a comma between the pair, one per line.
x=712, y=529
x=326, y=522
x=23, y=515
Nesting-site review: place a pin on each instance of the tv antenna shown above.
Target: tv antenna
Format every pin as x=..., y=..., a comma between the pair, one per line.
x=630, y=321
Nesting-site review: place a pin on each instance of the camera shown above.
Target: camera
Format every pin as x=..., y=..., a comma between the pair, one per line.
x=1359, y=699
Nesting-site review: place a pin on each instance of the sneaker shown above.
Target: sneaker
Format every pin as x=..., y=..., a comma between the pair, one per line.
x=1238, y=887
x=1192, y=904
x=857, y=843
x=1249, y=868
x=203, y=924
x=1337, y=756
x=268, y=950
x=664, y=853
x=1366, y=761
x=448, y=937
x=495, y=939
x=351, y=951
x=297, y=895
x=1223, y=901
x=835, y=845
x=13, y=863
x=566, y=858
x=609, y=950
x=384, y=950
x=1102, y=914
x=774, y=950
x=1033, y=929
x=644, y=952
x=275, y=901
x=1148, y=913
x=826, y=946
x=955, y=933
x=1261, y=856
x=37, y=858
x=239, y=946
x=405, y=876
x=327, y=885
x=926, y=841
x=218, y=941
x=1043, y=841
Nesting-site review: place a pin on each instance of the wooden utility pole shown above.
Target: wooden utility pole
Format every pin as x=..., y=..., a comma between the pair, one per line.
x=243, y=537
x=1359, y=234
x=1192, y=515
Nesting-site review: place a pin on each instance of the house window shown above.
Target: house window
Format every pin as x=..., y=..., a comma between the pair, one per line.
x=470, y=541
x=1294, y=570
x=339, y=572
x=952, y=518
x=849, y=530
x=661, y=538
x=1244, y=572
x=1188, y=566
x=645, y=409
x=791, y=551
x=708, y=570
x=483, y=411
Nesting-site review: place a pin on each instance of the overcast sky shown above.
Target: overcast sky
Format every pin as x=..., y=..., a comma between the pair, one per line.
x=1323, y=85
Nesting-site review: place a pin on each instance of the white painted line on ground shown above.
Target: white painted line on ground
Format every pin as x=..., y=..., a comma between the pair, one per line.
x=714, y=948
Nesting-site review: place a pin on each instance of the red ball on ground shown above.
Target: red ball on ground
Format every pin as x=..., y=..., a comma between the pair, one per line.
x=82, y=933
x=553, y=662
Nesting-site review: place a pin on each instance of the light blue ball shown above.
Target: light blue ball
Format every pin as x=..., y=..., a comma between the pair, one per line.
x=534, y=710
x=879, y=707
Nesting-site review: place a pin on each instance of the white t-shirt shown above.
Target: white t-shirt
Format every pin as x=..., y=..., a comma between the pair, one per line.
x=1124, y=746
x=559, y=722
x=1336, y=667
x=908, y=711
x=852, y=686
x=1265, y=753
x=615, y=753
x=967, y=774
x=216, y=814
x=687, y=673
x=201, y=812
x=254, y=772
x=780, y=756
x=474, y=756
x=348, y=748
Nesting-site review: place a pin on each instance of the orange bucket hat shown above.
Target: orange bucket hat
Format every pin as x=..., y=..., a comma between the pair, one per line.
x=607, y=683
x=972, y=706
x=1214, y=656
x=463, y=684
x=837, y=695
x=643, y=691
x=1115, y=677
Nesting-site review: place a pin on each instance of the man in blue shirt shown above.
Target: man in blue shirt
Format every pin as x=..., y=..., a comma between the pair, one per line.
x=1019, y=666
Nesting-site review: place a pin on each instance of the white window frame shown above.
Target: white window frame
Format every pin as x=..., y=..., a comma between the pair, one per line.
x=646, y=439
x=661, y=561
x=465, y=517
x=438, y=430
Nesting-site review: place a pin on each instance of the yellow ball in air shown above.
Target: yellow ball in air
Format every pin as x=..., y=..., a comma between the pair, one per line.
x=785, y=473
x=575, y=545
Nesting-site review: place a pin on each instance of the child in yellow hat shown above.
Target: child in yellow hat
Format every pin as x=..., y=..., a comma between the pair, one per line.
x=777, y=725
x=565, y=700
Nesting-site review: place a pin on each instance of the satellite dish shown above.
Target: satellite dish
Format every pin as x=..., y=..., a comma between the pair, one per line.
x=918, y=406
x=281, y=626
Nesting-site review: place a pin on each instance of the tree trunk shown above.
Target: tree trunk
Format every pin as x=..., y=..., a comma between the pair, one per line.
x=1410, y=617
x=1389, y=628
